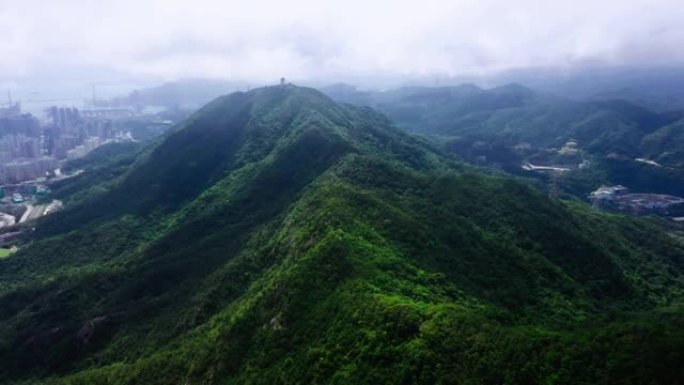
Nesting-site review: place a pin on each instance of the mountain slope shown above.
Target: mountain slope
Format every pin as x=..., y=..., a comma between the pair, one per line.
x=506, y=127
x=666, y=145
x=278, y=237
x=513, y=114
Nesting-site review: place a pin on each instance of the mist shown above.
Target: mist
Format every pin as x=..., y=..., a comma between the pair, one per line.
x=259, y=41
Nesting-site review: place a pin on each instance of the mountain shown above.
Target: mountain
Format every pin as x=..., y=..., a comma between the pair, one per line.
x=513, y=113
x=657, y=88
x=511, y=125
x=183, y=93
x=279, y=237
x=666, y=145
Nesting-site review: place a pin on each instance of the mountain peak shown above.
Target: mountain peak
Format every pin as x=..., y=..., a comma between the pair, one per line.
x=513, y=89
x=247, y=128
x=279, y=237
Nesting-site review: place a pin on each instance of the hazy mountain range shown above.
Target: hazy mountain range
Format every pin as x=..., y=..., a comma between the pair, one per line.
x=277, y=236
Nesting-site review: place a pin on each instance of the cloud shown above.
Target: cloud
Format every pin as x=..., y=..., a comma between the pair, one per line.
x=260, y=40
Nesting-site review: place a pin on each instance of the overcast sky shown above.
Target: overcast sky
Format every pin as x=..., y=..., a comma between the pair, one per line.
x=260, y=40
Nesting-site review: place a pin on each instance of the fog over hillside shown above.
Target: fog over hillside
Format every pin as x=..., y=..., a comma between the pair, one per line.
x=263, y=40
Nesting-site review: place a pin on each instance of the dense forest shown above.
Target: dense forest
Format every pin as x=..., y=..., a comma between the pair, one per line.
x=509, y=125
x=278, y=237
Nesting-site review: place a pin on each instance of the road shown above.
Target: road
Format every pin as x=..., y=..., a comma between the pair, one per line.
x=29, y=209
x=38, y=211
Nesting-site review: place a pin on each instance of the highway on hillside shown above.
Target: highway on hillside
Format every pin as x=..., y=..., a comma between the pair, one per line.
x=29, y=209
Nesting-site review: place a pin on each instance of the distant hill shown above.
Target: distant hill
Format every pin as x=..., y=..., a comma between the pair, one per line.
x=512, y=124
x=184, y=93
x=659, y=89
x=277, y=236
x=514, y=113
x=666, y=145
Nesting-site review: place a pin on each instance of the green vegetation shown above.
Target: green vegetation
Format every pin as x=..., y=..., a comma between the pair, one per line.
x=509, y=125
x=666, y=145
x=103, y=155
x=513, y=115
x=4, y=253
x=277, y=237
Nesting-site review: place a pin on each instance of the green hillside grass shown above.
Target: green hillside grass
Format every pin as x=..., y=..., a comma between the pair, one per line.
x=277, y=238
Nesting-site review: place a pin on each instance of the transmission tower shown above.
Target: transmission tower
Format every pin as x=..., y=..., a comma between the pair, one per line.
x=554, y=190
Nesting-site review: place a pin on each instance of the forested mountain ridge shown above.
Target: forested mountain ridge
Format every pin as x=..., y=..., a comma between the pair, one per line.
x=666, y=145
x=279, y=237
x=513, y=114
x=612, y=141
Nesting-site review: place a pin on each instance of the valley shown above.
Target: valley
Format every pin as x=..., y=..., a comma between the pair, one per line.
x=533, y=134
x=443, y=192
x=277, y=233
